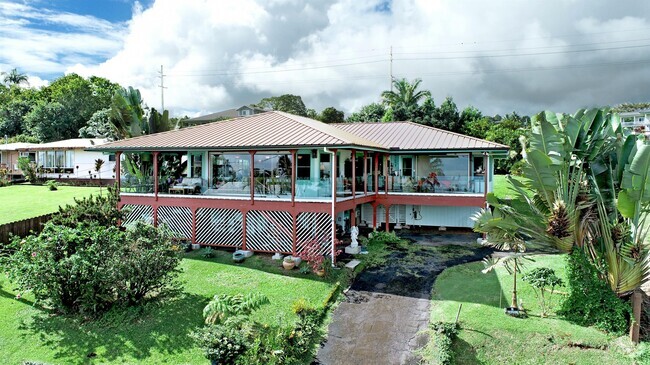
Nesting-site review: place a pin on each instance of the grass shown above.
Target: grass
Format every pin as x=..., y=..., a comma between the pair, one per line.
x=27, y=201
x=157, y=333
x=501, y=187
x=488, y=336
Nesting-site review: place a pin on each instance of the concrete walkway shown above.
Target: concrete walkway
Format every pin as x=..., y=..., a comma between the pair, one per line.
x=387, y=308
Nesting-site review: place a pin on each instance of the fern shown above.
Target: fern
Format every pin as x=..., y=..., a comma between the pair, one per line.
x=223, y=306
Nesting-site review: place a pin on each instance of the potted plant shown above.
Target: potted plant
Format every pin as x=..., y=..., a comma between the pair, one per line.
x=288, y=263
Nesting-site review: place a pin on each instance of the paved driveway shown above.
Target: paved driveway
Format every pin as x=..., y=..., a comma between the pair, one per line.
x=387, y=308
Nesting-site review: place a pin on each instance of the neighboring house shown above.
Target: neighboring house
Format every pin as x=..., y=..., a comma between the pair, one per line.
x=637, y=122
x=68, y=159
x=9, y=154
x=274, y=181
x=242, y=111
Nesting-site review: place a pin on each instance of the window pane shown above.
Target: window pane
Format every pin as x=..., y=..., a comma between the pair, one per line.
x=303, y=166
x=69, y=159
x=50, y=159
x=230, y=174
x=273, y=174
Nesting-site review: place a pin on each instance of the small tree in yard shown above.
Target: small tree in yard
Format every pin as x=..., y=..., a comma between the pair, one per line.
x=29, y=169
x=543, y=279
x=98, y=168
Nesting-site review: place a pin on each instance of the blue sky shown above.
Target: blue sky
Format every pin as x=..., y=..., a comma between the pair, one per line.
x=499, y=55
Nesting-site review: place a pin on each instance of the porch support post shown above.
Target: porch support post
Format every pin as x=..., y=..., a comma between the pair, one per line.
x=252, y=180
x=353, y=217
x=118, y=156
x=243, y=236
x=334, y=175
x=155, y=174
x=486, y=174
x=194, y=225
x=293, y=183
x=365, y=172
x=386, y=174
x=295, y=234
x=354, y=174
x=387, y=209
x=376, y=172
x=374, y=216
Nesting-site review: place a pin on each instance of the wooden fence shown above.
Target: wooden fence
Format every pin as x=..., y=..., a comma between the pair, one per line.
x=23, y=228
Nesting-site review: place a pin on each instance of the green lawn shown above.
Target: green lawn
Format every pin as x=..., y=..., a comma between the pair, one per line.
x=488, y=336
x=501, y=187
x=158, y=333
x=26, y=201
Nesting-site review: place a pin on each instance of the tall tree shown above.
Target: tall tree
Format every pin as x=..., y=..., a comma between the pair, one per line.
x=368, y=113
x=285, y=103
x=404, y=101
x=447, y=116
x=332, y=115
x=14, y=77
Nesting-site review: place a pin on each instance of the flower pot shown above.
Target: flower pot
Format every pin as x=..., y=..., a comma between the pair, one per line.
x=320, y=272
x=288, y=265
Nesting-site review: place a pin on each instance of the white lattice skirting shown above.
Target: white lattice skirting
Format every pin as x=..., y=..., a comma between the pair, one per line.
x=222, y=227
x=178, y=219
x=314, y=226
x=269, y=231
x=137, y=213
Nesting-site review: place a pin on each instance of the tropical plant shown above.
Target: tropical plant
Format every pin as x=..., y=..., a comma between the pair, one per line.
x=221, y=344
x=52, y=185
x=28, y=168
x=14, y=77
x=406, y=96
x=591, y=192
x=98, y=169
x=223, y=306
x=543, y=279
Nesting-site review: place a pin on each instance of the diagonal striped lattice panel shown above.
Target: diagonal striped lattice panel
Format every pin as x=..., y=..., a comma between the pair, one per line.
x=222, y=227
x=314, y=226
x=137, y=213
x=269, y=231
x=178, y=219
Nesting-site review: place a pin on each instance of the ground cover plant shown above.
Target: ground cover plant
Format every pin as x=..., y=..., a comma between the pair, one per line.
x=487, y=336
x=27, y=201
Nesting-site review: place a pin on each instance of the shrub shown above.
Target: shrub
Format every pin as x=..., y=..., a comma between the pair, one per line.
x=4, y=177
x=91, y=269
x=208, y=253
x=384, y=237
x=52, y=185
x=541, y=279
x=100, y=209
x=222, y=344
x=29, y=169
x=444, y=334
x=591, y=302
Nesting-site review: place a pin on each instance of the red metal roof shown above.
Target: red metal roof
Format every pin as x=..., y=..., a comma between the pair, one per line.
x=278, y=130
x=413, y=136
x=261, y=131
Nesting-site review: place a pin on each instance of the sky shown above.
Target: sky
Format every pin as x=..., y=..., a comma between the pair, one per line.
x=499, y=56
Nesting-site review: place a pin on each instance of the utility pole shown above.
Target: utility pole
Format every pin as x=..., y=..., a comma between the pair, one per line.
x=162, y=89
x=391, y=68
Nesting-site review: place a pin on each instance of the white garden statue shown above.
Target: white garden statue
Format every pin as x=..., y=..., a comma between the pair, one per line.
x=354, y=234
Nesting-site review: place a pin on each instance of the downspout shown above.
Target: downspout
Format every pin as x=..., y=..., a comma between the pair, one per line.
x=333, y=176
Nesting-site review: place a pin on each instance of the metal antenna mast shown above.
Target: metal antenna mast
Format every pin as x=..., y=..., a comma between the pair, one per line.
x=162, y=89
x=391, y=68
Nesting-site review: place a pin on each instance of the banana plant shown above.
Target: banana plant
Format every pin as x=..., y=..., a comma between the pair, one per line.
x=591, y=191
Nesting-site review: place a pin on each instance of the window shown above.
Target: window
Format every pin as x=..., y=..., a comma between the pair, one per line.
x=30, y=155
x=111, y=157
x=197, y=165
x=304, y=166
x=50, y=162
x=407, y=166
x=230, y=173
x=325, y=166
x=69, y=159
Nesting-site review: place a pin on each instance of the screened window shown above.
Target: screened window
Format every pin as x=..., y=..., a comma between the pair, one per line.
x=303, y=165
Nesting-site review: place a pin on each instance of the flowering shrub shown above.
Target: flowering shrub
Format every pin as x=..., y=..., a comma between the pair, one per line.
x=222, y=344
x=90, y=269
x=311, y=254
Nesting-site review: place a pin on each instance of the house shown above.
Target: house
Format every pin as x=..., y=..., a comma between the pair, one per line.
x=69, y=160
x=9, y=154
x=274, y=181
x=242, y=111
x=637, y=122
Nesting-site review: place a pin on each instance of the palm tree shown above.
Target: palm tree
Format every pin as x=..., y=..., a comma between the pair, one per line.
x=406, y=95
x=14, y=77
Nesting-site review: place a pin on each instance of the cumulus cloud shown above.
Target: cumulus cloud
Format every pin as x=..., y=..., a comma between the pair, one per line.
x=499, y=56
